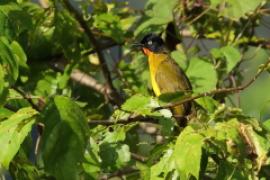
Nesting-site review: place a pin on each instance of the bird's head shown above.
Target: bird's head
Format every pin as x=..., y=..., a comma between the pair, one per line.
x=151, y=43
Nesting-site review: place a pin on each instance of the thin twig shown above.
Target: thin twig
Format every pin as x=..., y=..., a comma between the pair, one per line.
x=218, y=91
x=138, y=157
x=123, y=121
x=29, y=98
x=118, y=173
x=113, y=95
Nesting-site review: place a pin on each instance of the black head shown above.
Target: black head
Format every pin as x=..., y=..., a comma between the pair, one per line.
x=153, y=42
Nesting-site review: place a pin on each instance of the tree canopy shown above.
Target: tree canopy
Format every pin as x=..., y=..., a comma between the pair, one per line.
x=76, y=101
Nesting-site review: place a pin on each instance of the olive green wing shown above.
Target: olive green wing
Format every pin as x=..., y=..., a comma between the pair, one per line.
x=170, y=78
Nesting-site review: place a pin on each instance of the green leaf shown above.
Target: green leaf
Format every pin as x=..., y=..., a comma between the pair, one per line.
x=92, y=166
x=232, y=57
x=180, y=58
x=144, y=170
x=202, y=75
x=118, y=134
x=207, y=103
x=166, y=98
x=140, y=104
x=228, y=170
x=14, y=20
x=124, y=155
x=226, y=130
x=64, y=138
x=167, y=126
x=19, y=54
x=110, y=24
x=152, y=25
x=160, y=13
x=264, y=111
x=2, y=79
x=259, y=144
x=239, y=9
x=8, y=60
x=47, y=85
x=114, y=156
x=13, y=132
x=165, y=165
x=187, y=153
x=266, y=125
x=163, y=9
x=5, y=113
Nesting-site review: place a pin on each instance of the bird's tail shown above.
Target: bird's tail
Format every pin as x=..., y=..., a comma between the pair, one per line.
x=180, y=113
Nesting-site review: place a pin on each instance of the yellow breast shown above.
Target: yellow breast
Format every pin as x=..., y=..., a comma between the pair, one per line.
x=154, y=61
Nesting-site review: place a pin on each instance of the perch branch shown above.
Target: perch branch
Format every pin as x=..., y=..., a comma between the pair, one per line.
x=219, y=91
x=123, y=121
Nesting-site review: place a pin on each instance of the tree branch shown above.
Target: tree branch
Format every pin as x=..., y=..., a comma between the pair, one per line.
x=219, y=91
x=30, y=99
x=123, y=121
x=88, y=81
x=118, y=173
x=80, y=77
x=138, y=157
x=113, y=95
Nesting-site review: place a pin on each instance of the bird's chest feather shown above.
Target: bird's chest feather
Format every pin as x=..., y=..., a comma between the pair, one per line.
x=154, y=61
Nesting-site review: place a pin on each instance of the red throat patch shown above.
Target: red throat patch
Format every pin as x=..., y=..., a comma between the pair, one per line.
x=146, y=51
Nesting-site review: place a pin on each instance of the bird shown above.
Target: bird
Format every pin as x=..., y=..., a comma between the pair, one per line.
x=165, y=74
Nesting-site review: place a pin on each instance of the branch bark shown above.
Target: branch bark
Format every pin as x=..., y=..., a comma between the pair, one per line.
x=28, y=97
x=79, y=77
x=112, y=93
x=123, y=121
x=88, y=81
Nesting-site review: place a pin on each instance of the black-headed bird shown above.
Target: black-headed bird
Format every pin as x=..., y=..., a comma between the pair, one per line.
x=166, y=75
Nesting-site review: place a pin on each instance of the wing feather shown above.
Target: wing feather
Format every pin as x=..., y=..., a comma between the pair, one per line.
x=171, y=78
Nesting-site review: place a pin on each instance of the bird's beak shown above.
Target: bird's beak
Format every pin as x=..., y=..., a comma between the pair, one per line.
x=140, y=46
x=137, y=45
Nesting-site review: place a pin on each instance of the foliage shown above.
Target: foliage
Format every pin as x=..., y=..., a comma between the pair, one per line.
x=76, y=100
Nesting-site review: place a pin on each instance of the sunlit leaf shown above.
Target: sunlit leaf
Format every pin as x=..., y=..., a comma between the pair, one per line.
x=13, y=132
x=114, y=155
x=160, y=12
x=8, y=59
x=231, y=55
x=188, y=144
x=19, y=54
x=202, y=75
x=140, y=104
x=110, y=24
x=207, y=103
x=236, y=9
x=165, y=165
x=180, y=58
x=5, y=113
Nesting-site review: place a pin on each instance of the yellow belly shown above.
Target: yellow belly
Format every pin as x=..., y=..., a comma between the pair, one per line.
x=155, y=86
x=154, y=61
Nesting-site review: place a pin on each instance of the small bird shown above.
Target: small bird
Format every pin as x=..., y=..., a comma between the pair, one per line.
x=166, y=75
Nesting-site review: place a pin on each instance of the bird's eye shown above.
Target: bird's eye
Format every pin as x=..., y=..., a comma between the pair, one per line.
x=149, y=42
